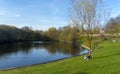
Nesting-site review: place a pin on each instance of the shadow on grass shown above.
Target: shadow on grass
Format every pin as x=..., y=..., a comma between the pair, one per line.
x=107, y=56
x=81, y=73
x=100, y=47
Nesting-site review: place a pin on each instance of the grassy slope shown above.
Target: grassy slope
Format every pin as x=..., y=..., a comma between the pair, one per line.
x=106, y=60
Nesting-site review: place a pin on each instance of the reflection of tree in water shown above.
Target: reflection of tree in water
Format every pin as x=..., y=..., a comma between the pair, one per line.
x=6, y=49
x=52, y=48
x=65, y=48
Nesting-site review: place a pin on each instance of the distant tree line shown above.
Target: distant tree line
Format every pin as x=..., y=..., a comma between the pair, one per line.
x=12, y=34
x=66, y=33
x=112, y=28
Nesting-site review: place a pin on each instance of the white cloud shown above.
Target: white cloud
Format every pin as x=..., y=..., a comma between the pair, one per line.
x=53, y=21
x=6, y=13
x=17, y=15
x=2, y=12
x=46, y=23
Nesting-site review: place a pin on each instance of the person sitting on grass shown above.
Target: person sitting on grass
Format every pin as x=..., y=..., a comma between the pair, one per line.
x=88, y=57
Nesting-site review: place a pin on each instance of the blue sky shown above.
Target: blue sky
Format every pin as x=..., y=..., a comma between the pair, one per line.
x=42, y=14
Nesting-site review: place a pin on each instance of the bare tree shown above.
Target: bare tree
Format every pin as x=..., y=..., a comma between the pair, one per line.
x=87, y=15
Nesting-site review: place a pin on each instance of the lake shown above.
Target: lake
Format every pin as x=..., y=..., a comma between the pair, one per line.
x=21, y=54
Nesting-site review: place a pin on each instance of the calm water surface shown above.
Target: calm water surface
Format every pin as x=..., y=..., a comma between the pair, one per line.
x=30, y=53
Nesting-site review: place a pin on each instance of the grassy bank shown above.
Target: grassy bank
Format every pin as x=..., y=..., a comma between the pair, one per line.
x=106, y=60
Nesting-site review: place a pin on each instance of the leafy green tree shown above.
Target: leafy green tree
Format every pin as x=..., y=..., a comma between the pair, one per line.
x=11, y=34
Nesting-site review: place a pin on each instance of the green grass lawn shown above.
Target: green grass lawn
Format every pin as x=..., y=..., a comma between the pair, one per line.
x=106, y=60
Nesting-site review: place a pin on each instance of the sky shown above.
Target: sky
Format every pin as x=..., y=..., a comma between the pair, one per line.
x=42, y=14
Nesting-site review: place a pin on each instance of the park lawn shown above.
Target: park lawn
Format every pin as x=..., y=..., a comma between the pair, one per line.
x=106, y=60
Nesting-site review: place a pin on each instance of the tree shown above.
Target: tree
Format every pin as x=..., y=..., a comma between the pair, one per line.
x=87, y=15
x=69, y=33
x=53, y=34
x=113, y=27
x=13, y=34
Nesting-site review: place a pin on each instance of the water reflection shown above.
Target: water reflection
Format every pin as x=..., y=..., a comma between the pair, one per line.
x=17, y=54
x=6, y=49
x=52, y=48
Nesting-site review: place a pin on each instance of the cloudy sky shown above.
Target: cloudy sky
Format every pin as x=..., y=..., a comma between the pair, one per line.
x=42, y=14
